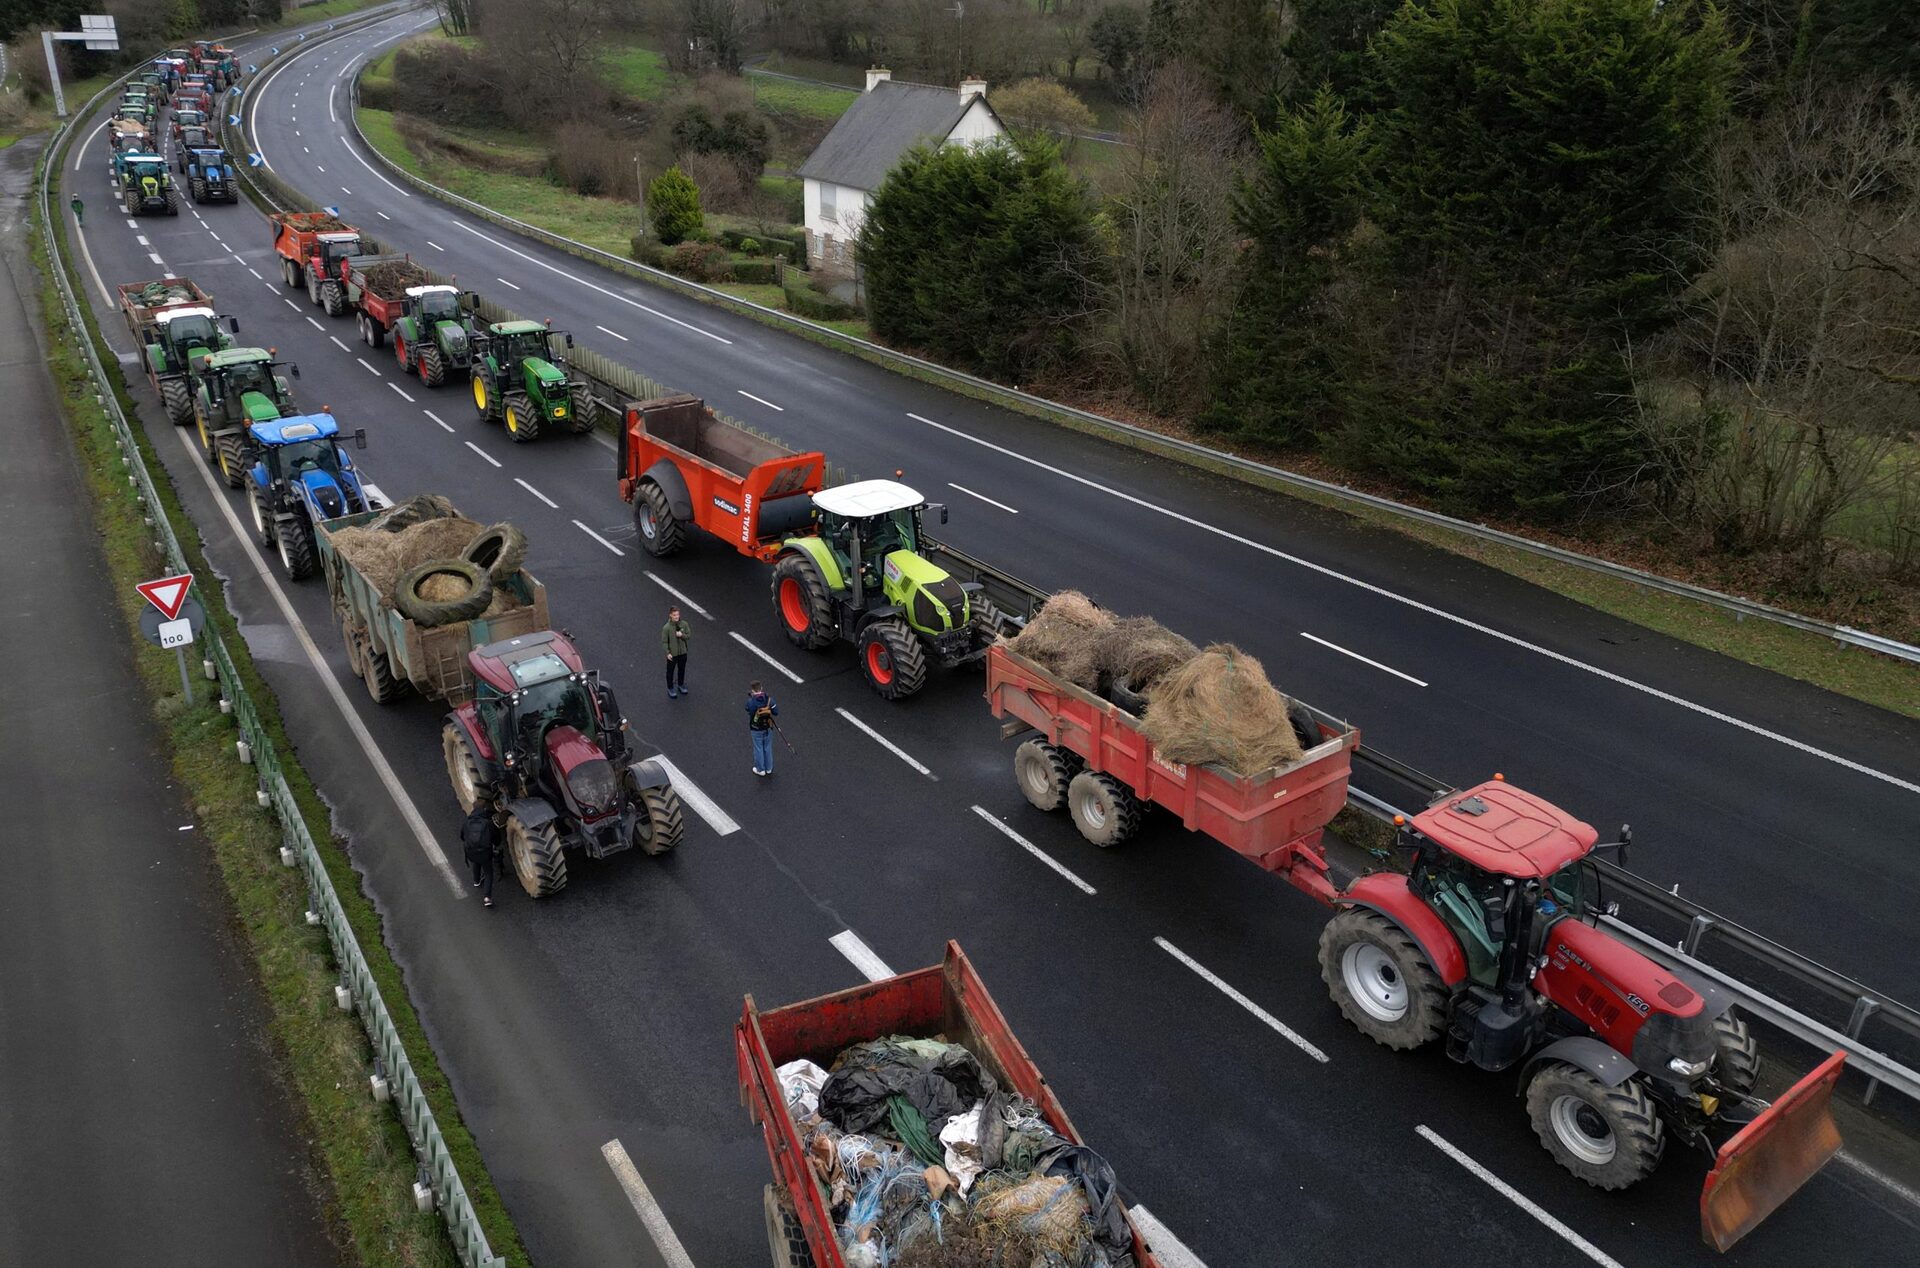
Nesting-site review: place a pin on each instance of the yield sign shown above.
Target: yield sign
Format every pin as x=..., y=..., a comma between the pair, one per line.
x=167, y=593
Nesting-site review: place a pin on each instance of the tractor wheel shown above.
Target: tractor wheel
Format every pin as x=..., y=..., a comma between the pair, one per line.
x=429, y=613
x=296, y=550
x=1736, y=1061
x=660, y=533
x=1104, y=809
x=463, y=772
x=537, y=858
x=171, y=197
x=801, y=602
x=197, y=190
x=1611, y=1137
x=1381, y=979
x=523, y=421
x=892, y=659
x=178, y=399
x=499, y=548
x=661, y=822
x=262, y=517
x=584, y=415
x=313, y=290
x=786, y=1239
x=485, y=399
x=133, y=203
x=433, y=367
x=333, y=298
x=231, y=458
x=1043, y=771
x=377, y=672
x=400, y=354
x=207, y=450
x=351, y=638
x=289, y=272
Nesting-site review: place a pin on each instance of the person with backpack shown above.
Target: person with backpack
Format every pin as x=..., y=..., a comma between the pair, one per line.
x=480, y=841
x=762, y=709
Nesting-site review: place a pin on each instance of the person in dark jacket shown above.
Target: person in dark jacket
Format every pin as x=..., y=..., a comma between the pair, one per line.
x=762, y=709
x=480, y=840
x=673, y=641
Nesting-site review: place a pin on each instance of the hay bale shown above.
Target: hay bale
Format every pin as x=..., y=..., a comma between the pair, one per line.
x=1220, y=708
x=433, y=539
x=443, y=587
x=372, y=555
x=1142, y=651
x=502, y=602
x=1064, y=637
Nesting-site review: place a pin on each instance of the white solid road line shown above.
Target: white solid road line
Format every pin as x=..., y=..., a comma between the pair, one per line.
x=1385, y=669
x=1164, y=1245
x=504, y=282
x=404, y=394
x=483, y=453
x=1892, y=1185
x=1512, y=1195
x=694, y=799
x=436, y=418
x=528, y=487
x=862, y=956
x=589, y=532
x=651, y=1216
x=763, y=400
x=886, y=743
x=1033, y=849
x=616, y=334
x=983, y=497
x=655, y=578
x=742, y=640
x=408, y=811
x=369, y=368
x=1466, y=622
x=1279, y=1027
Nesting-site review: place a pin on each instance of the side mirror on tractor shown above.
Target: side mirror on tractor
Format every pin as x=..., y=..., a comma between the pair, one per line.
x=233, y=325
x=569, y=340
x=359, y=438
x=293, y=368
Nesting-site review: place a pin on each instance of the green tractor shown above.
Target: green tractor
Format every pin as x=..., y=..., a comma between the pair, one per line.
x=520, y=378
x=869, y=576
x=429, y=338
x=145, y=185
x=238, y=388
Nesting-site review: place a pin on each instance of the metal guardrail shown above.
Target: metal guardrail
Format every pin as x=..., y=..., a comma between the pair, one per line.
x=1140, y=437
x=440, y=1175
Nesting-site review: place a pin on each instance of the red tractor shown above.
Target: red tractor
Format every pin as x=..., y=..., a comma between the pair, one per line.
x=544, y=743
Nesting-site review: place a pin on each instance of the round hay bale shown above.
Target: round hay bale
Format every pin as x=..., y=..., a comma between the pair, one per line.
x=1220, y=708
x=443, y=588
x=1142, y=651
x=441, y=538
x=1064, y=637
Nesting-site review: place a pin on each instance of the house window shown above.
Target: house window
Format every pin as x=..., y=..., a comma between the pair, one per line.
x=828, y=203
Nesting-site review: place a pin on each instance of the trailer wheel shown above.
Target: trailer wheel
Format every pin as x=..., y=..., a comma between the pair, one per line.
x=232, y=460
x=661, y=822
x=1736, y=1062
x=1611, y=1137
x=786, y=1240
x=262, y=517
x=433, y=368
x=333, y=298
x=1042, y=771
x=175, y=395
x=350, y=637
x=1104, y=809
x=377, y=673
x=537, y=858
x=463, y=772
x=801, y=602
x=523, y=421
x=1381, y=979
x=296, y=550
x=376, y=333
x=429, y=613
x=892, y=658
x=289, y=272
x=660, y=533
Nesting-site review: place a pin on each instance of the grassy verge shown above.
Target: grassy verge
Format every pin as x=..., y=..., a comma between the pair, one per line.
x=814, y=101
x=361, y=1146
x=637, y=72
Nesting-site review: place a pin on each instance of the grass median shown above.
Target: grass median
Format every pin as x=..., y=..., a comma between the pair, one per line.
x=360, y=1145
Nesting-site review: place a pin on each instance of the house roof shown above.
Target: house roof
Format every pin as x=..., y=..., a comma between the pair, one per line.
x=878, y=128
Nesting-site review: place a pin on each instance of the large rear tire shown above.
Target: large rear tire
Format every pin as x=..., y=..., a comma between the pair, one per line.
x=1611, y=1137
x=523, y=420
x=178, y=398
x=892, y=659
x=653, y=521
x=1104, y=809
x=231, y=459
x=537, y=858
x=801, y=602
x=1736, y=1062
x=1043, y=772
x=463, y=772
x=1381, y=979
x=433, y=367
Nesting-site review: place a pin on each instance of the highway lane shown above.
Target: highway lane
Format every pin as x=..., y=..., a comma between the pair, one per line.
x=1717, y=765
x=603, y=1014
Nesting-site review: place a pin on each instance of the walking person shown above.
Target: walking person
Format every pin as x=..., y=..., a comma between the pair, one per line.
x=762, y=709
x=673, y=641
x=79, y=210
x=480, y=840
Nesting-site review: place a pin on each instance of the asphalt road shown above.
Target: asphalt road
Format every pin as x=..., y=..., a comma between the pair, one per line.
x=603, y=1014
x=141, y=1120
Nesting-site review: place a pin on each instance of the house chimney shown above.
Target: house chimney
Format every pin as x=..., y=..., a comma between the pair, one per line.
x=971, y=88
x=877, y=75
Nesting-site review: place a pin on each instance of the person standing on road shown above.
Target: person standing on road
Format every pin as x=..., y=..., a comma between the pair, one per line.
x=480, y=840
x=673, y=640
x=79, y=210
x=762, y=709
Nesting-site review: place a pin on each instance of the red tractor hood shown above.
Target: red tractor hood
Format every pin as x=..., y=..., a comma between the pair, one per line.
x=567, y=749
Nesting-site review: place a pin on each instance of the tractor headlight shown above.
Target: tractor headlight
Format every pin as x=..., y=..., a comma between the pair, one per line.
x=1688, y=1069
x=559, y=411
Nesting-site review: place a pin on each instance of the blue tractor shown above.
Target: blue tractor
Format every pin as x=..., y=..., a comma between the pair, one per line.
x=301, y=475
x=210, y=176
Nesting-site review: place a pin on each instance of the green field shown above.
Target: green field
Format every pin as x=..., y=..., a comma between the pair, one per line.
x=812, y=101
x=640, y=73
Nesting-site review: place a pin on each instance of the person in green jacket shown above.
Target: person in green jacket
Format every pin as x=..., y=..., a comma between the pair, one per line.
x=673, y=641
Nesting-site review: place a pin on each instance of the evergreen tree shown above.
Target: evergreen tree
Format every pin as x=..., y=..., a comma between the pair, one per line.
x=673, y=206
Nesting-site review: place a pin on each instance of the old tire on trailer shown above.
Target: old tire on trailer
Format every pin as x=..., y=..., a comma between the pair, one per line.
x=537, y=858
x=433, y=367
x=377, y=673
x=786, y=1239
x=232, y=460
x=1043, y=771
x=1305, y=728
x=801, y=602
x=653, y=521
x=892, y=659
x=523, y=421
x=428, y=613
x=661, y=822
x=463, y=772
x=333, y=298
x=1611, y=1137
x=262, y=517
x=1104, y=809
x=1381, y=979
x=499, y=548
x=1736, y=1062
x=584, y=415
x=296, y=550
x=178, y=399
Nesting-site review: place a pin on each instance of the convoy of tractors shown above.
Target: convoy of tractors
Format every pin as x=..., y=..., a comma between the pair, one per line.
x=1476, y=930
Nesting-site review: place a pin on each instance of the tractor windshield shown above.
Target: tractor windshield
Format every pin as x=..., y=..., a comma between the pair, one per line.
x=440, y=306
x=194, y=331
x=149, y=169
x=881, y=535
x=307, y=455
x=248, y=376
x=530, y=343
x=333, y=252
x=1576, y=886
x=556, y=702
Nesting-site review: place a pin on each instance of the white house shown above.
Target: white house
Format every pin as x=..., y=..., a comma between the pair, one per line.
x=888, y=119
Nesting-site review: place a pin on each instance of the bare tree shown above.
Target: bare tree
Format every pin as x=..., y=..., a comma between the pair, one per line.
x=456, y=16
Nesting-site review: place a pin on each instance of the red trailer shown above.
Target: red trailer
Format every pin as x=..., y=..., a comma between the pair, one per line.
x=947, y=999
x=316, y=248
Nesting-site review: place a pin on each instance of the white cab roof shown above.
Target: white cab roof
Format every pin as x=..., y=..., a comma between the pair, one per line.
x=339, y=235
x=867, y=497
x=168, y=314
x=418, y=291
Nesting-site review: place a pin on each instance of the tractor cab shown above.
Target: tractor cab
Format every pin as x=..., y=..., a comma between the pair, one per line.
x=515, y=344
x=333, y=247
x=184, y=119
x=550, y=722
x=241, y=385
x=301, y=459
x=192, y=140
x=189, y=335
x=873, y=529
x=432, y=304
